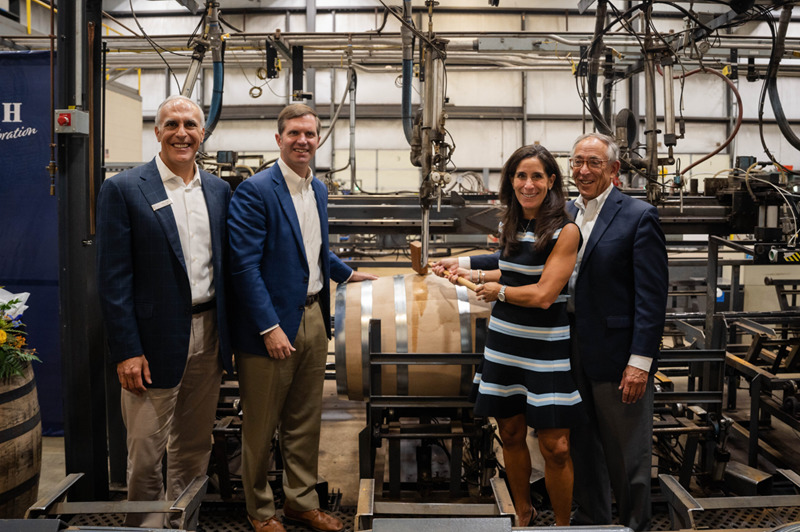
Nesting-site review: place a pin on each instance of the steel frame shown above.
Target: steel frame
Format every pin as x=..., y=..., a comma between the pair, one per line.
x=186, y=506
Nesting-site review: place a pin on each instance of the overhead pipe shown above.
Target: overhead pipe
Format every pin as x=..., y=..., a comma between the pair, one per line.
x=371, y=41
x=352, y=162
x=408, y=71
x=739, y=115
x=216, y=98
x=739, y=104
x=210, y=39
x=217, y=56
x=351, y=75
x=52, y=167
x=650, y=127
x=670, y=139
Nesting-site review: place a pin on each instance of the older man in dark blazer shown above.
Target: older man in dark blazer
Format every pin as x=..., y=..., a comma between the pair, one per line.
x=161, y=265
x=619, y=297
x=281, y=269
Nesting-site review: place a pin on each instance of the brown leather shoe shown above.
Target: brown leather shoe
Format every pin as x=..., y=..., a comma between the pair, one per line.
x=270, y=525
x=315, y=519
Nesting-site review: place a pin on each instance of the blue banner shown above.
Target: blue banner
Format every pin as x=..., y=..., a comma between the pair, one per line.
x=29, y=217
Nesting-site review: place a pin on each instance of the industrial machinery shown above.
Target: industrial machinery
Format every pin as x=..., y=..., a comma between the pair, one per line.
x=754, y=197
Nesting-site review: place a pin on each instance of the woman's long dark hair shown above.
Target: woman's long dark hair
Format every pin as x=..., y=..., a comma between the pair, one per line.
x=551, y=214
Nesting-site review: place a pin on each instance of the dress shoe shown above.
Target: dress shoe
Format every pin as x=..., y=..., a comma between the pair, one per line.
x=315, y=519
x=270, y=525
x=521, y=521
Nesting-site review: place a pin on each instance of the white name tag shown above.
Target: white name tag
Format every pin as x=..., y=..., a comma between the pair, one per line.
x=161, y=204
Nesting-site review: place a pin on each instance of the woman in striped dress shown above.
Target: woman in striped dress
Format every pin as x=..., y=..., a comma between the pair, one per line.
x=525, y=378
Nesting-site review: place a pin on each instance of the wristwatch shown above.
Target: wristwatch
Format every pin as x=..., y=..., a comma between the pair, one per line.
x=501, y=296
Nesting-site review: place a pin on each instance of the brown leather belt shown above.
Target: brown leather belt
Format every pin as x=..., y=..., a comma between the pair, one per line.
x=310, y=300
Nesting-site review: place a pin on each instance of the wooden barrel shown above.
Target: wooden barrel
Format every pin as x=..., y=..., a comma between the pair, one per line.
x=419, y=314
x=20, y=445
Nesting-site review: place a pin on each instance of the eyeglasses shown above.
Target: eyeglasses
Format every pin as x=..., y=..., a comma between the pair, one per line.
x=594, y=163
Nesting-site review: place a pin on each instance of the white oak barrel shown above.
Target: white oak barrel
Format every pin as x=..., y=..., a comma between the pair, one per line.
x=419, y=314
x=20, y=445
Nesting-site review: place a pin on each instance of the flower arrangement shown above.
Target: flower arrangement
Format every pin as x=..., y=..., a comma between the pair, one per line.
x=14, y=356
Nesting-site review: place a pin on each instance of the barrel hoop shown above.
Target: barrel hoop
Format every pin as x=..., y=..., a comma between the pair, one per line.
x=464, y=318
x=16, y=393
x=366, y=315
x=401, y=331
x=340, y=351
x=465, y=321
x=18, y=430
x=19, y=489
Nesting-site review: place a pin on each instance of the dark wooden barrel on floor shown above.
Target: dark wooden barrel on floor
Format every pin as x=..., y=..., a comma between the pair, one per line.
x=20, y=445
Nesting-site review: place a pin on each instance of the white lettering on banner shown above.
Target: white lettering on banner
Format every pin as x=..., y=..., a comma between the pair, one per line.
x=17, y=133
x=12, y=111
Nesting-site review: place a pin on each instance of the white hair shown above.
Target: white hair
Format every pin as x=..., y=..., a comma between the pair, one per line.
x=179, y=97
x=612, y=150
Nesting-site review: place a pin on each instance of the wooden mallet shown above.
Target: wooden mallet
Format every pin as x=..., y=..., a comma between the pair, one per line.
x=416, y=265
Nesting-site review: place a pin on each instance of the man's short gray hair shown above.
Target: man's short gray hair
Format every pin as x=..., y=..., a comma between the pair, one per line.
x=612, y=150
x=176, y=97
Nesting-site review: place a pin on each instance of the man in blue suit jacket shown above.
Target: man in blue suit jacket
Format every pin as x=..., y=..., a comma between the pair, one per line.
x=161, y=268
x=619, y=291
x=620, y=295
x=281, y=271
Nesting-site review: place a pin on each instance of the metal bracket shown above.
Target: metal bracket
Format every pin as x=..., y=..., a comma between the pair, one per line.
x=187, y=505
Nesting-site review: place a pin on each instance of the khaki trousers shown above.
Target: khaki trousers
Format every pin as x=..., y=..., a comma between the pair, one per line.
x=178, y=420
x=285, y=395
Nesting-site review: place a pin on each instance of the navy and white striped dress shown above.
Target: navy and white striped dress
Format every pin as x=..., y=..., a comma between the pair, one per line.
x=526, y=368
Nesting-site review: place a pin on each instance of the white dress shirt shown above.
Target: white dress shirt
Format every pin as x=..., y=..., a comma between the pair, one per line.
x=191, y=216
x=305, y=205
x=586, y=218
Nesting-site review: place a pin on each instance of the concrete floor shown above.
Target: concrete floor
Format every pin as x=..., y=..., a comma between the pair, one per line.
x=53, y=464
x=344, y=419
x=341, y=422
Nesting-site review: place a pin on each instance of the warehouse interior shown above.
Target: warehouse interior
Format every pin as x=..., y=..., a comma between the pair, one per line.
x=421, y=102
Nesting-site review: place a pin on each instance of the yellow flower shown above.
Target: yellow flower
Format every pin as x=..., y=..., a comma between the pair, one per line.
x=3, y=336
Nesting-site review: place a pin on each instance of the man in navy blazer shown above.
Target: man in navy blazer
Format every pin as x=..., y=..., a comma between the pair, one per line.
x=619, y=291
x=161, y=269
x=281, y=271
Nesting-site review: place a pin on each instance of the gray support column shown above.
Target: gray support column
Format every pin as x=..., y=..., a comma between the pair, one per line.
x=334, y=99
x=311, y=73
x=288, y=78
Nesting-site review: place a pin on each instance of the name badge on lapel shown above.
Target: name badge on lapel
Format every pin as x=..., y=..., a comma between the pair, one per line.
x=161, y=204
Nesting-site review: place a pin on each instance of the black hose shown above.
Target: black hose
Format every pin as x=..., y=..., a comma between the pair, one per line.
x=594, y=66
x=772, y=78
